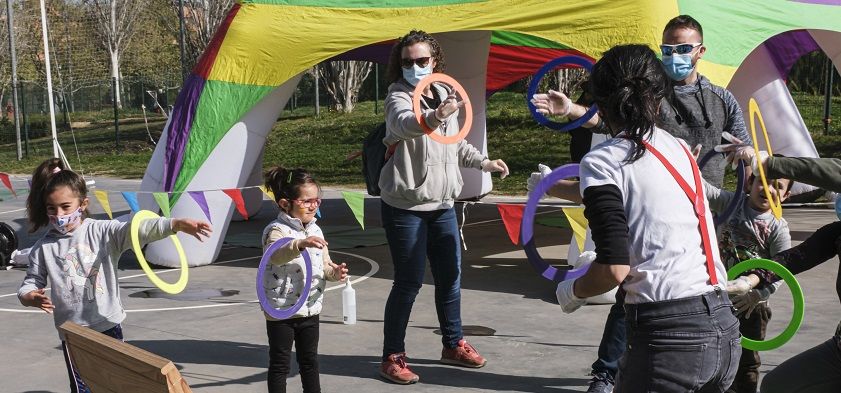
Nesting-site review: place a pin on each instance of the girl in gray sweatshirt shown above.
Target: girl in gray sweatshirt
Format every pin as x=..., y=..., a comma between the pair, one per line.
x=79, y=255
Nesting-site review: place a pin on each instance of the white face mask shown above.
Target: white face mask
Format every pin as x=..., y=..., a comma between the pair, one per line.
x=415, y=74
x=65, y=223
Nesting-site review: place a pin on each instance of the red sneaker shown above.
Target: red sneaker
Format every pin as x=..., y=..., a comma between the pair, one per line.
x=395, y=369
x=462, y=355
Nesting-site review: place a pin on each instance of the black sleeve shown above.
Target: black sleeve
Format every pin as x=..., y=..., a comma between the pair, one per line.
x=822, y=246
x=608, y=224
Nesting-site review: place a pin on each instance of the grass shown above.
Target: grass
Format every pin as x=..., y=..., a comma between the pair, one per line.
x=322, y=144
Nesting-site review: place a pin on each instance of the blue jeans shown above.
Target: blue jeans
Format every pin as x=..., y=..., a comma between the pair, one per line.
x=614, y=339
x=412, y=237
x=682, y=345
x=77, y=385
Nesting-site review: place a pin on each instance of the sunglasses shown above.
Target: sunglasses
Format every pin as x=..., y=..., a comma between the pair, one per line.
x=420, y=61
x=307, y=203
x=680, y=49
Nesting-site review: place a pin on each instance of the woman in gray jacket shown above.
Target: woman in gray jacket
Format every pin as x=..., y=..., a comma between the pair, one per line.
x=419, y=184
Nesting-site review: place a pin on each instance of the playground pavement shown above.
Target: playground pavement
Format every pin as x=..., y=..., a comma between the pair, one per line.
x=509, y=314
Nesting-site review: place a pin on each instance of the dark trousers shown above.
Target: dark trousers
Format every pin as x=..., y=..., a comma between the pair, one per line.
x=818, y=370
x=412, y=237
x=304, y=333
x=76, y=383
x=614, y=339
x=683, y=345
x=752, y=327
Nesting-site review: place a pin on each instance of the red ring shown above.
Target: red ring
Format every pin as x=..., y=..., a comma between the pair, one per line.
x=468, y=118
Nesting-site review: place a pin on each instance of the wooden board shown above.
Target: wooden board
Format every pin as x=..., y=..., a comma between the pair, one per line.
x=110, y=365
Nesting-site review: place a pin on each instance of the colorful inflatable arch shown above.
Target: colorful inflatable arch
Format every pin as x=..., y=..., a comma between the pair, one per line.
x=215, y=136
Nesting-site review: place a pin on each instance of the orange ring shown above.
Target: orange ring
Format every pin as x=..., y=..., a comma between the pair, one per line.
x=468, y=118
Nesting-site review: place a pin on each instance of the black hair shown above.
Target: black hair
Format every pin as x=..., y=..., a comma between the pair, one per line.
x=47, y=177
x=627, y=84
x=684, y=22
x=286, y=183
x=394, y=70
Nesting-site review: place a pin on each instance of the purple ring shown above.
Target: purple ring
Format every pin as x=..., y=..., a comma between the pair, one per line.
x=261, y=289
x=546, y=270
x=740, y=184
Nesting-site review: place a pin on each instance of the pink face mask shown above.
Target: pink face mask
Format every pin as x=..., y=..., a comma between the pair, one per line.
x=64, y=223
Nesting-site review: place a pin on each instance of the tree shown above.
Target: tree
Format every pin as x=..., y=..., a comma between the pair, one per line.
x=343, y=79
x=201, y=19
x=115, y=26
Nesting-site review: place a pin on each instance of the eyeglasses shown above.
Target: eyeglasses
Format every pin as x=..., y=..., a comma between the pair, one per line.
x=420, y=61
x=307, y=203
x=680, y=49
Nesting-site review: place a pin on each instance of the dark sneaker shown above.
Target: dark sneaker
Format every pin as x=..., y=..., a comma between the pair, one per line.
x=462, y=355
x=601, y=383
x=395, y=369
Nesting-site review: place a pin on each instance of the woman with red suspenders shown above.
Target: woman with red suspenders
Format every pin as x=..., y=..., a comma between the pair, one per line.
x=654, y=236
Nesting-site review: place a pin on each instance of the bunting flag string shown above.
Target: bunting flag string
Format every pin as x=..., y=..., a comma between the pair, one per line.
x=102, y=197
x=131, y=199
x=575, y=216
x=162, y=199
x=198, y=196
x=356, y=202
x=512, y=216
x=236, y=196
x=266, y=191
x=4, y=177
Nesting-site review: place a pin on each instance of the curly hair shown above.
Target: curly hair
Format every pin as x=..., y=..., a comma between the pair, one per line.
x=627, y=84
x=394, y=71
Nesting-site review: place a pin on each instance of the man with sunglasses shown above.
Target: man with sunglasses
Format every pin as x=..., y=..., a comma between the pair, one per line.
x=697, y=112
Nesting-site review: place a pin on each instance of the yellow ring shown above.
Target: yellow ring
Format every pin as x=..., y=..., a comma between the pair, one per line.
x=179, y=285
x=753, y=108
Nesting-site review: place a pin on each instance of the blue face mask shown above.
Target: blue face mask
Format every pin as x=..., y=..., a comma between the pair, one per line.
x=678, y=67
x=415, y=74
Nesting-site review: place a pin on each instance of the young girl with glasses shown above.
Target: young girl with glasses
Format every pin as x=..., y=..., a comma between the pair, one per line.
x=298, y=196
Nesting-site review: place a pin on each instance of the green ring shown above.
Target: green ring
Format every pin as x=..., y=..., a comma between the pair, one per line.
x=796, y=294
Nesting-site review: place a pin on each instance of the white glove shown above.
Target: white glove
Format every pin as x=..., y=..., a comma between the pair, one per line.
x=739, y=286
x=537, y=177
x=566, y=298
x=736, y=150
x=757, y=160
x=553, y=103
x=745, y=304
x=495, y=166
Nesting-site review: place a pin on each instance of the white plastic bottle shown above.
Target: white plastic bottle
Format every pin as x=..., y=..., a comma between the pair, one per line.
x=348, y=303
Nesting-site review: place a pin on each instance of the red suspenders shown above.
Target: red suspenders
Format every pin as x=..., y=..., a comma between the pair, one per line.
x=697, y=198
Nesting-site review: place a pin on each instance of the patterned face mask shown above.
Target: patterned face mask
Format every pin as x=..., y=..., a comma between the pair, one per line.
x=64, y=223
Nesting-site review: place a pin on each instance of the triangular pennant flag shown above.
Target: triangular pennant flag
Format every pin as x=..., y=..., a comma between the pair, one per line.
x=356, y=202
x=236, y=196
x=268, y=192
x=576, y=218
x=512, y=217
x=163, y=201
x=131, y=199
x=102, y=197
x=6, y=182
x=198, y=196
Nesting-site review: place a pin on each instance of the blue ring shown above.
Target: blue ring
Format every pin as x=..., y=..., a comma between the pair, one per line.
x=546, y=270
x=261, y=289
x=740, y=185
x=535, y=81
